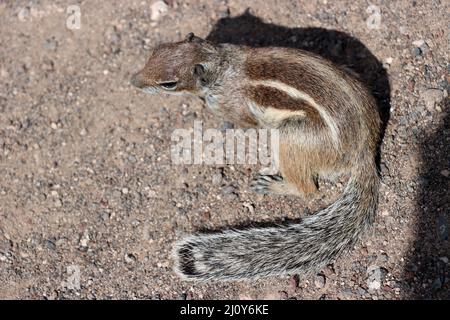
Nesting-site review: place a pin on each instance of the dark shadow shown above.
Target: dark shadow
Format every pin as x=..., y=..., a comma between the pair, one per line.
x=339, y=47
x=427, y=271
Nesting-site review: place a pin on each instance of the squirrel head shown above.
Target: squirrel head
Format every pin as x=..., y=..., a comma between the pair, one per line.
x=188, y=66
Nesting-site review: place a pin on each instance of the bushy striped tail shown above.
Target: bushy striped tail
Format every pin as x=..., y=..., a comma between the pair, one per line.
x=297, y=248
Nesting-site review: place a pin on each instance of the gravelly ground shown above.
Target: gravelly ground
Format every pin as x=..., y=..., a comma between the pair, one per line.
x=86, y=179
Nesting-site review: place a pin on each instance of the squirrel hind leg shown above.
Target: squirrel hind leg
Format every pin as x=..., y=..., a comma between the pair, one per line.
x=301, y=184
x=307, y=187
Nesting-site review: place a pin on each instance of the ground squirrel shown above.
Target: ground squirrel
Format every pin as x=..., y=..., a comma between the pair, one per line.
x=329, y=125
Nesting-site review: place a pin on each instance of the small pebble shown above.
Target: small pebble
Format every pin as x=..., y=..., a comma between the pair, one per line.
x=217, y=178
x=416, y=52
x=445, y=173
x=375, y=278
x=444, y=259
x=23, y=14
x=84, y=239
x=130, y=258
x=383, y=257
x=50, y=44
x=293, y=282
x=159, y=9
x=104, y=216
x=319, y=281
x=50, y=244
x=431, y=97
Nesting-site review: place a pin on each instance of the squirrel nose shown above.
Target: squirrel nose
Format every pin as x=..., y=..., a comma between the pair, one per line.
x=136, y=80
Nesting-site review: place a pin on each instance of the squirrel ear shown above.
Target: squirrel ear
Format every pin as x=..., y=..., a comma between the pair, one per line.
x=200, y=73
x=189, y=37
x=199, y=70
x=205, y=44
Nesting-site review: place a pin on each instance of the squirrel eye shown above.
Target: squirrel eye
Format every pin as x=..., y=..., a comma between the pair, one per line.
x=168, y=85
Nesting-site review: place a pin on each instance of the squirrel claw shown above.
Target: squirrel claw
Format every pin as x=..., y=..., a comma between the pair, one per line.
x=262, y=183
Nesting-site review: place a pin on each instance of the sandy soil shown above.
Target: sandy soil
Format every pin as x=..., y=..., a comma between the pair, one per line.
x=88, y=189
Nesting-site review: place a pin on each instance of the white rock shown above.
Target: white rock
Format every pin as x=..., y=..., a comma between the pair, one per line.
x=152, y=194
x=319, y=281
x=217, y=178
x=84, y=239
x=249, y=206
x=4, y=73
x=23, y=14
x=431, y=97
x=384, y=213
x=445, y=173
x=130, y=258
x=375, y=278
x=418, y=43
x=374, y=284
x=444, y=259
x=159, y=9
